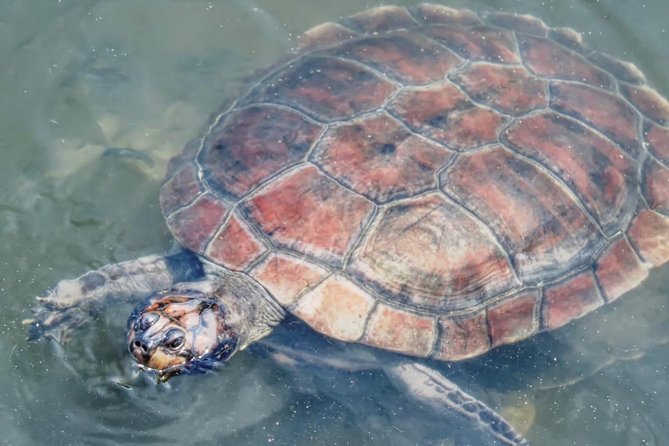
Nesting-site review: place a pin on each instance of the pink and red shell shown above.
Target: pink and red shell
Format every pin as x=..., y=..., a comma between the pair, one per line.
x=432, y=181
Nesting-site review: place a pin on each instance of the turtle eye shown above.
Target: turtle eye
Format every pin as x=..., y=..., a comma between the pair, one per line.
x=148, y=320
x=174, y=339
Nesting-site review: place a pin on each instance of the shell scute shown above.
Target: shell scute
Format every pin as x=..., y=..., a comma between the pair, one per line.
x=235, y=246
x=605, y=111
x=196, y=223
x=655, y=185
x=568, y=37
x=439, y=14
x=180, y=190
x=618, y=270
x=408, y=57
x=444, y=114
x=649, y=102
x=416, y=336
x=624, y=71
x=323, y=35
x=522, y=23
x=649, y=234
x=336, y=307
x=379, y=19
x=511, y=89
x=286, y=277
x=477, y=43
x=657, y=140
x=571, y=299
x=537, y=221
x=253, y=144
x=310, y=213
x=185, y=157
x=514, y=318
x=549, y=59
x=380, y=158
x=463, y=337
x=325, y=88
x=592, y=166
x=429, y=253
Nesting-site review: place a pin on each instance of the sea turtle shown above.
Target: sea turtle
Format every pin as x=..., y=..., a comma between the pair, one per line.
x=424, y=180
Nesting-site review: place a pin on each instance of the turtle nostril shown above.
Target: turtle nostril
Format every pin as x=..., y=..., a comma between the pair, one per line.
x=140, y=345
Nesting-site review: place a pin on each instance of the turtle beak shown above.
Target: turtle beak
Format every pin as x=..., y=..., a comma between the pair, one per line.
x=162, y=376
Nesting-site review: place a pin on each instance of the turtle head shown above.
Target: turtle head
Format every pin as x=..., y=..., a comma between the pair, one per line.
x=177, y=332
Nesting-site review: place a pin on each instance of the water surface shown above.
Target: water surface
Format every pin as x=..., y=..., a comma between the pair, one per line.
x=97, y=96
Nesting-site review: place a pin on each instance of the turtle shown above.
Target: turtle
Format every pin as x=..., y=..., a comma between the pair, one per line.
x=424, y=180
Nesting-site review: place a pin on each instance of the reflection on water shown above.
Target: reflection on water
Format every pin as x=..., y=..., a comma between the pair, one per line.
x=97, y=96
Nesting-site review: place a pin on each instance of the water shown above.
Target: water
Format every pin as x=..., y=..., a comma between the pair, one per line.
x=97, y=96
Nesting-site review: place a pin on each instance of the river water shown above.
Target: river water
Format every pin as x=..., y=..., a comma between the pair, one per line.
x=98, y=95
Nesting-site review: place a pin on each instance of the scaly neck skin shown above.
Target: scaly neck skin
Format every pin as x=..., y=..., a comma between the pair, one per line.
x=249, y=311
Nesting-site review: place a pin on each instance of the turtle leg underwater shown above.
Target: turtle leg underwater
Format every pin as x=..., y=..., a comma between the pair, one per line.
x=430, y=388
x=293, y=345
x=73, y=302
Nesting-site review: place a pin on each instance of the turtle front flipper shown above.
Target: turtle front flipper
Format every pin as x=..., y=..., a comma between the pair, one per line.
x=73, y=303
x=430, y=388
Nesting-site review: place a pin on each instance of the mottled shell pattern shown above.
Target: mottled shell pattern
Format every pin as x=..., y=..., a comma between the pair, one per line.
x=432, y=181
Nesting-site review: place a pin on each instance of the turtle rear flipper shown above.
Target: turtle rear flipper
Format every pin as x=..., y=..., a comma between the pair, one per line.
x=432, y=389
x=74, y=303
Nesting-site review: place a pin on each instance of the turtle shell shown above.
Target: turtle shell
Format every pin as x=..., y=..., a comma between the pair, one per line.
x=433, y=182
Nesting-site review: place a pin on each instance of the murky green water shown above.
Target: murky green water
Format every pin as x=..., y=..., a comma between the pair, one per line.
x=84, y=81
